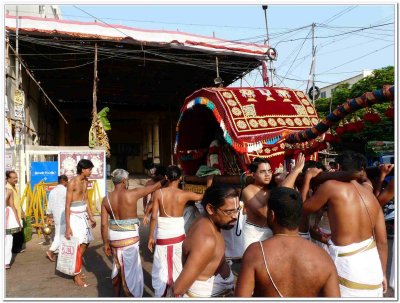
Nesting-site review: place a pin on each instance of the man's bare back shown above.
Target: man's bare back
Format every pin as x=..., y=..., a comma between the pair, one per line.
x=354, y=216
x=123, y=203
x=351, y=221
x=171, y=201
x=293, y=266
x=298, y=268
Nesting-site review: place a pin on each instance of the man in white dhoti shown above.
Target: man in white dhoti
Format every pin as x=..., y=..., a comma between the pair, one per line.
x=255, y=198
x=13, y=225
x=358, y=244
x=205, y=271
x=56, y=213
x=169, y=203
x=120, y=233
x=78, y=215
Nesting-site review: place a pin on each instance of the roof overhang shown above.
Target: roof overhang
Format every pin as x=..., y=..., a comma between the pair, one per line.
x=139, y=69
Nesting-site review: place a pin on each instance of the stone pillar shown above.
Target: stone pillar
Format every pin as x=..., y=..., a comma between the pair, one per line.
x=149, y=141
x=156, y=143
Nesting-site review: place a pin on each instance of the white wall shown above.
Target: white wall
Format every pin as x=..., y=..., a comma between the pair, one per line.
x=43, y=11
x=329, y=89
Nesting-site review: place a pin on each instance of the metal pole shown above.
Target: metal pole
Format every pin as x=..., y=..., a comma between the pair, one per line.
x=216, y=63
x=94, y=109
x=16, y=49
x=272, y=72
x=265, y=7
x=313, y=74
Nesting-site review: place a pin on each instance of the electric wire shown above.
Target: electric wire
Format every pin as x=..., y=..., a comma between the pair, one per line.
x=341, y=13
x=345, y=33
x=301, y=47
x=358, y=58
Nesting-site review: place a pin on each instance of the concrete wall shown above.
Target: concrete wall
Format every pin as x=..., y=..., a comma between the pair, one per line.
x=43, y=11
x=326, y=92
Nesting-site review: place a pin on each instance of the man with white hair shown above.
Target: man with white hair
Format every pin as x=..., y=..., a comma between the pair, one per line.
x=120, y=233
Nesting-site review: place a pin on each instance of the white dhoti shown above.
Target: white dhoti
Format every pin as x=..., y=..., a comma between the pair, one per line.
x=254, y=233
x=215, y=286
x=79, y=222
x=234, y=239
x=326, y=233
x=359, y=269
x=59, y=231
x=126, y=258
x=392, y=269
x=167, y=260
x=305, y=235
x=12, y=227
x=190, y=214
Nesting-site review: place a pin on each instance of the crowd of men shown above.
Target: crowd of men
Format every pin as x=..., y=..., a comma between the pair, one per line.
x=300, y=239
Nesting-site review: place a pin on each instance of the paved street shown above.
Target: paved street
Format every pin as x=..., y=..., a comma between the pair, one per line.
x=32, y=275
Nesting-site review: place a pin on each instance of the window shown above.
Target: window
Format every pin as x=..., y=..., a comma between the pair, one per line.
x=323, y=95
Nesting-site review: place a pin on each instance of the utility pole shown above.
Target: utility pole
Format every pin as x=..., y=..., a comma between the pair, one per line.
x=313, y=70
x=265, y=7
x=95, y=79
x=267, y=64
x=16, y=49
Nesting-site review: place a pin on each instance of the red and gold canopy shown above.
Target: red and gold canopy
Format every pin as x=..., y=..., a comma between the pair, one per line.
x=254, y=121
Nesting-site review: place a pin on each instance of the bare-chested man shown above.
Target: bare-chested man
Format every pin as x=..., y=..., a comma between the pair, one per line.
x=304, y=228
x=255, y=197
x=286, y=265
x=78, y=216
x=158, y=175
x=358, y=244
x=168, y=207
x=120, y=233
x=205, y=271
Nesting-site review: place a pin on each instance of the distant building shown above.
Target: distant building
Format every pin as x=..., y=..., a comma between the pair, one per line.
x=326, y=92
x=42, y=11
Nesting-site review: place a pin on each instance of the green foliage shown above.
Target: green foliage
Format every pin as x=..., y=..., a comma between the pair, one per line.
x=384, y=130
x=379, y=78
x=103, y=118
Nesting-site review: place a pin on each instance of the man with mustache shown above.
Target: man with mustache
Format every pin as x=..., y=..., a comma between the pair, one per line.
x=205, y=271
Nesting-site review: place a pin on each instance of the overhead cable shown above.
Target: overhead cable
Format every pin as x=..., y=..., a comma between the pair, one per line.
x=358, y=58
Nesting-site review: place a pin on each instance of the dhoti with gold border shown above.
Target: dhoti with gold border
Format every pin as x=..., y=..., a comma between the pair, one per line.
x=124, y=242
x=359, y=269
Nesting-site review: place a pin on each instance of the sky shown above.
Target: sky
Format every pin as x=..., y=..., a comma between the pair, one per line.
x=348, y=38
